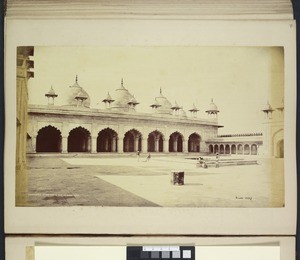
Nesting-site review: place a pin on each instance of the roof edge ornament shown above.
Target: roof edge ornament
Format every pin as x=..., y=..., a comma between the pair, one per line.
x=213, y=109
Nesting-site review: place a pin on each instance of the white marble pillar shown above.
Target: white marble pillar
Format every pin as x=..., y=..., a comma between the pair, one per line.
x=94, y=144
x=113, y=144
x=88, y=144
x=120, y=145
x=144, y=145
x=185, y=146
x=166, y=146
x=64, y=144
x=33, y=142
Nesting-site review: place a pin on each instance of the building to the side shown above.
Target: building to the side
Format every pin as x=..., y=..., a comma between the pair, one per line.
x=25, y=65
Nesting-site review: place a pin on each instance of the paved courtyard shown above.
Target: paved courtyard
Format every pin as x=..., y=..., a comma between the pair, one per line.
x=125, y=181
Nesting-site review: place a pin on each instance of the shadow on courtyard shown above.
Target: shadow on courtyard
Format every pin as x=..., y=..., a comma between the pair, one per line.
x=125, y=182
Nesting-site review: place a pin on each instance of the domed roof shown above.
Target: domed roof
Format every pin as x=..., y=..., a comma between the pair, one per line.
x=164, y=104
x=176, y=106
x=122, y=98
x=212, y=107
x=155, y=104
x=268, y=108
x=133, y=101
x=73, y=92
x=81, y=95
x=108, y=99
x=51, y=93
x=194, y=108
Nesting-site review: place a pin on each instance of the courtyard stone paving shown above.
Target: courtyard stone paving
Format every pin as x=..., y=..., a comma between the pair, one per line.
x=125, y=181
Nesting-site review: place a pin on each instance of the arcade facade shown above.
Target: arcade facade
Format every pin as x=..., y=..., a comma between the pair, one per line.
x=61, y=131
x=75, y=127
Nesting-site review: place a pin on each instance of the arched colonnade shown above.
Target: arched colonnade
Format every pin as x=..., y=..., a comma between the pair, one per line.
x=239, y=149
x=79, y=139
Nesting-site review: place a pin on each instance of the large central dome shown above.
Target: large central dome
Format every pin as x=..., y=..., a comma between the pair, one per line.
x=122, y=98
x=76, y=94
x=164, y=104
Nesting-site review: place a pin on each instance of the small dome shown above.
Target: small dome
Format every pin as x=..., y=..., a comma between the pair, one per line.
x=133, y=101
x=51, y=93
x=176, y=106
x=122, y=98
x=268, y=108
x=108, y=98
x=74, y=91
x=81, y=95
x=212, y=107
x=194, y=109
x=155, y=104
x=164, y=104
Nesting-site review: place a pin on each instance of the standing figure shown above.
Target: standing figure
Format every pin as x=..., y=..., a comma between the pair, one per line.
x=202, y=162
x=138, y=155
x=217, y=160
x=148, y=157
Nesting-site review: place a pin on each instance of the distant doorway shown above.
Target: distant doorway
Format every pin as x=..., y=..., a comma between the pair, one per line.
x=280, y=149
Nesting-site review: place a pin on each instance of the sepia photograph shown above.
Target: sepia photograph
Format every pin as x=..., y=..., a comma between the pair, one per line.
x=150, y=126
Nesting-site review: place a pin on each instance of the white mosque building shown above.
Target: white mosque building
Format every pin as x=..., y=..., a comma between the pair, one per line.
x=119, y=128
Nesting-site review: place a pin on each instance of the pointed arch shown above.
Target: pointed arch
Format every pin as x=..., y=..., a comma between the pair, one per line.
x=48, y=139
x=132, y=141
x=278, y=144
x=227, y=149
x=194, y=143
x=221, y=149
x=216, y=148
x=211, y=148
x=176, y=142
x=233, y=149
x=155, y=141
x=246, y=149
x=107, y=140
x=254, y=149
x=240, y=149
x=79, y=140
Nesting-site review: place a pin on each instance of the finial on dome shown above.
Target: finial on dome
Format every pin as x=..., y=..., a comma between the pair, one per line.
x=122, y=82
x=213, y=109
x=160, y=91
x=76, y=78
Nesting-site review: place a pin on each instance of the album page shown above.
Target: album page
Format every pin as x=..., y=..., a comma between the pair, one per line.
x=153, y=125
x=208, y=248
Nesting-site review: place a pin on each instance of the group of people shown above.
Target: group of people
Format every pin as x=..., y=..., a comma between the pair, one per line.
x=147, y=158
x=201, y=160
x=204, y=165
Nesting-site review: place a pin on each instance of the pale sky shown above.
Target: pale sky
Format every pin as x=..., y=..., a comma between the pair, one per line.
x=239, y=79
